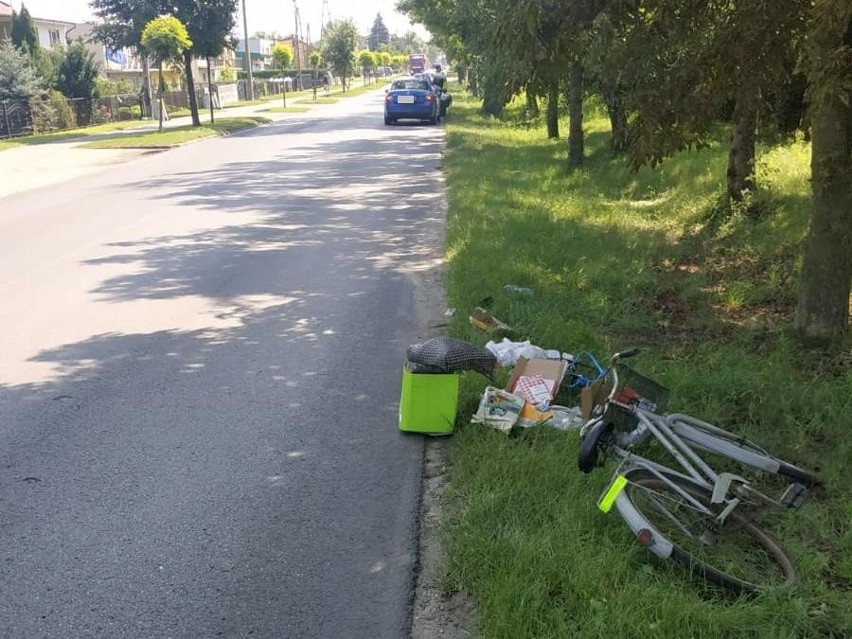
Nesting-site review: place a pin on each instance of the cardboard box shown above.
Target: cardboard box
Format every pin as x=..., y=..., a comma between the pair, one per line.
x=591, y=396
x=552, y=370
x=428, y=402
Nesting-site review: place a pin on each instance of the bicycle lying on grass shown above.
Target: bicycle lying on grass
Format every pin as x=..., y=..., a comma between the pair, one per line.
x=699, y=516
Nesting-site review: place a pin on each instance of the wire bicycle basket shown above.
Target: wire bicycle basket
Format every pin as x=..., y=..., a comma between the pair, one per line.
x=634, y=389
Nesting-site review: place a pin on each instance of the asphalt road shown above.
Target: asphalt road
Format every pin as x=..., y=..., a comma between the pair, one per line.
x=200, y=358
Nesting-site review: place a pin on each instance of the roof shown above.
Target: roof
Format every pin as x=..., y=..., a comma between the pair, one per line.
x=5, y=8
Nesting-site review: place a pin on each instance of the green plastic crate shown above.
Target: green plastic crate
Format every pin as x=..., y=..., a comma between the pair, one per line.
x=428, y=402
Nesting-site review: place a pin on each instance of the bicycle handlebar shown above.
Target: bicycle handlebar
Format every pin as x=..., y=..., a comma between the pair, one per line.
x=630, y=352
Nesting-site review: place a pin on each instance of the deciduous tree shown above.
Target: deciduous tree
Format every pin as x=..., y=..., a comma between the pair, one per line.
x=165, y=38
x=282, y=56
x=121, y=24
x=338, y=48
x=209, y=24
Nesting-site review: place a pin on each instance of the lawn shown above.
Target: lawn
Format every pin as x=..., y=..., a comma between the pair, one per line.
x=288, y=109
x=72, y=135
x=647, y=259
x=178, y=135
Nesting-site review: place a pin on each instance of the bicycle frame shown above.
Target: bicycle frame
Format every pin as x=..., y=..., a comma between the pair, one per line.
x=677, y=433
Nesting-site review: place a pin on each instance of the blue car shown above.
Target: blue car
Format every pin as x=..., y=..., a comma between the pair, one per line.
x=411, y=99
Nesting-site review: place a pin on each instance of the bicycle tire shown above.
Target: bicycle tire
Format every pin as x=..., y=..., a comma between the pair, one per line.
x=755, y=545
x=590, y=456
x=785, y=468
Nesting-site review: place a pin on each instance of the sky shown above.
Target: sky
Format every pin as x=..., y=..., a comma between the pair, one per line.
x=263, y=15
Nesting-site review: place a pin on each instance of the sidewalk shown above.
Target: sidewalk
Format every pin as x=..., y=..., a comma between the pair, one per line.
x=23, y=168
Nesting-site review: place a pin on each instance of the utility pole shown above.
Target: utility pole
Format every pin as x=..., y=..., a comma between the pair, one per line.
x=325, y=13
x=297, y=45
x=247, y=48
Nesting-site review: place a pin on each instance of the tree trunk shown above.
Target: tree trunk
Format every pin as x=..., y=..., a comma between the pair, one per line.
x=190, y=87
x=210, y=87
x=553, y=111
x=532, y=103
x=617, y=116
x=575, y=116
x=473, y=83
x=146, y=85
x=160, y=93
x=822, y=314
x=740, y=175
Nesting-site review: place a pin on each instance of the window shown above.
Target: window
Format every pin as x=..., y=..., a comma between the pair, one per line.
x=54, y=37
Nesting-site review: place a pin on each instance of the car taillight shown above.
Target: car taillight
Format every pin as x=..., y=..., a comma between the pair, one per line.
x=429, y=97
x=388, y=98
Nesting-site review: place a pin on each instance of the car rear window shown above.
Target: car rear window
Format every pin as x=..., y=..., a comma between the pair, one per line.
x=410, y=84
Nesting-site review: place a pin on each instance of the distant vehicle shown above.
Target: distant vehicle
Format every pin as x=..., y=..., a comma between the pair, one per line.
x=437, y=81
x=417, y=63
x=412, y=99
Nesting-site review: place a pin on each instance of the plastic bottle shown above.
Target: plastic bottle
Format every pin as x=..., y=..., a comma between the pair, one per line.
x=520, y=290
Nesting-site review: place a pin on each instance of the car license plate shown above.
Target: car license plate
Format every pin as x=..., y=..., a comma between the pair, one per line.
x=405, y=99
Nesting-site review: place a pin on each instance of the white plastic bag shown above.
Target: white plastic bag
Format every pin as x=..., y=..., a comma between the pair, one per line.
x=507, y=352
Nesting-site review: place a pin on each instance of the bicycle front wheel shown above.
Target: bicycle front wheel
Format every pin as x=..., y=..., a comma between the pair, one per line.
x=737, y=555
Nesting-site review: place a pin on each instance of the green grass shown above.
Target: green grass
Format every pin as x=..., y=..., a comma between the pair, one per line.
x=178, y=135
x=245, y=103
x=72, y=135
x=288, y=109
x=619, y=259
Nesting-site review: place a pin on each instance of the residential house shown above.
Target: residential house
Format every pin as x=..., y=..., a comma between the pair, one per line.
x=5, y=21
x=51, y=33
x=261, y=53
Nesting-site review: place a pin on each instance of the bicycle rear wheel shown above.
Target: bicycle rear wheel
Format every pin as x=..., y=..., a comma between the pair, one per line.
x=739, y=556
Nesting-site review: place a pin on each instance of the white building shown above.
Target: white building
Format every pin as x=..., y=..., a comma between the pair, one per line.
x=51, y=33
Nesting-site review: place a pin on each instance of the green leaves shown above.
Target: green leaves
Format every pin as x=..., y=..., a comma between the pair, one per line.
x=165, y=38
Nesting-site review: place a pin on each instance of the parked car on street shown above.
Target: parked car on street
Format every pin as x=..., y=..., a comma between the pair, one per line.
x=437, y=80
x=412, y=99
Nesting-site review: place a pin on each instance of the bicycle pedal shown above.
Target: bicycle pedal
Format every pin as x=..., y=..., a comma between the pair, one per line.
x=794, y=496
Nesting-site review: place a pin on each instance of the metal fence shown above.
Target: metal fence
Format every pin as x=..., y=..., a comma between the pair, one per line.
x=38, y=115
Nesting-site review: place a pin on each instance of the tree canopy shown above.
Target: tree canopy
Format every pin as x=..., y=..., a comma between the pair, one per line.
x=24, y=34
x=669, y=72
x=165, y=39
x=379, y=34
x=18, y=81
x=338, y=48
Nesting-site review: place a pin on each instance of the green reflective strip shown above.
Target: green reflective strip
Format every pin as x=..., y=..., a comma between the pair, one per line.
x=615, y=487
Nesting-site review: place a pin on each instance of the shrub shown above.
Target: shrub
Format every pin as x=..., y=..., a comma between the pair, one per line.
x=63, y=115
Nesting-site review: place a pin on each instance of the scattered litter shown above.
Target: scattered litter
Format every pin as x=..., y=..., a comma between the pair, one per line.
x=565, y=418
x=484, y=321
x=508, y=352
x=498, y=409
x=450, y=312
x=530, y=416
x=518, y=290
x=450, y=355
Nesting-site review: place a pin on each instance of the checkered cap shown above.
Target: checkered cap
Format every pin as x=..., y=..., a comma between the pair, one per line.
x=448, y=355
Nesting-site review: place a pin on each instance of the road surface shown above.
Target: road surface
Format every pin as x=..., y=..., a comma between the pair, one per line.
x=199, y=379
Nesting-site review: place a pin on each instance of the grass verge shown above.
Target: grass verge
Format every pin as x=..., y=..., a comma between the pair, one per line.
x=72, y=135
x=289, y=109
x=178, y=135
x=619, y=259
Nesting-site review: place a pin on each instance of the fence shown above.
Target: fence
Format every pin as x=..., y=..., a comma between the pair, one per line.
x=43, y=115
x=46, y=114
